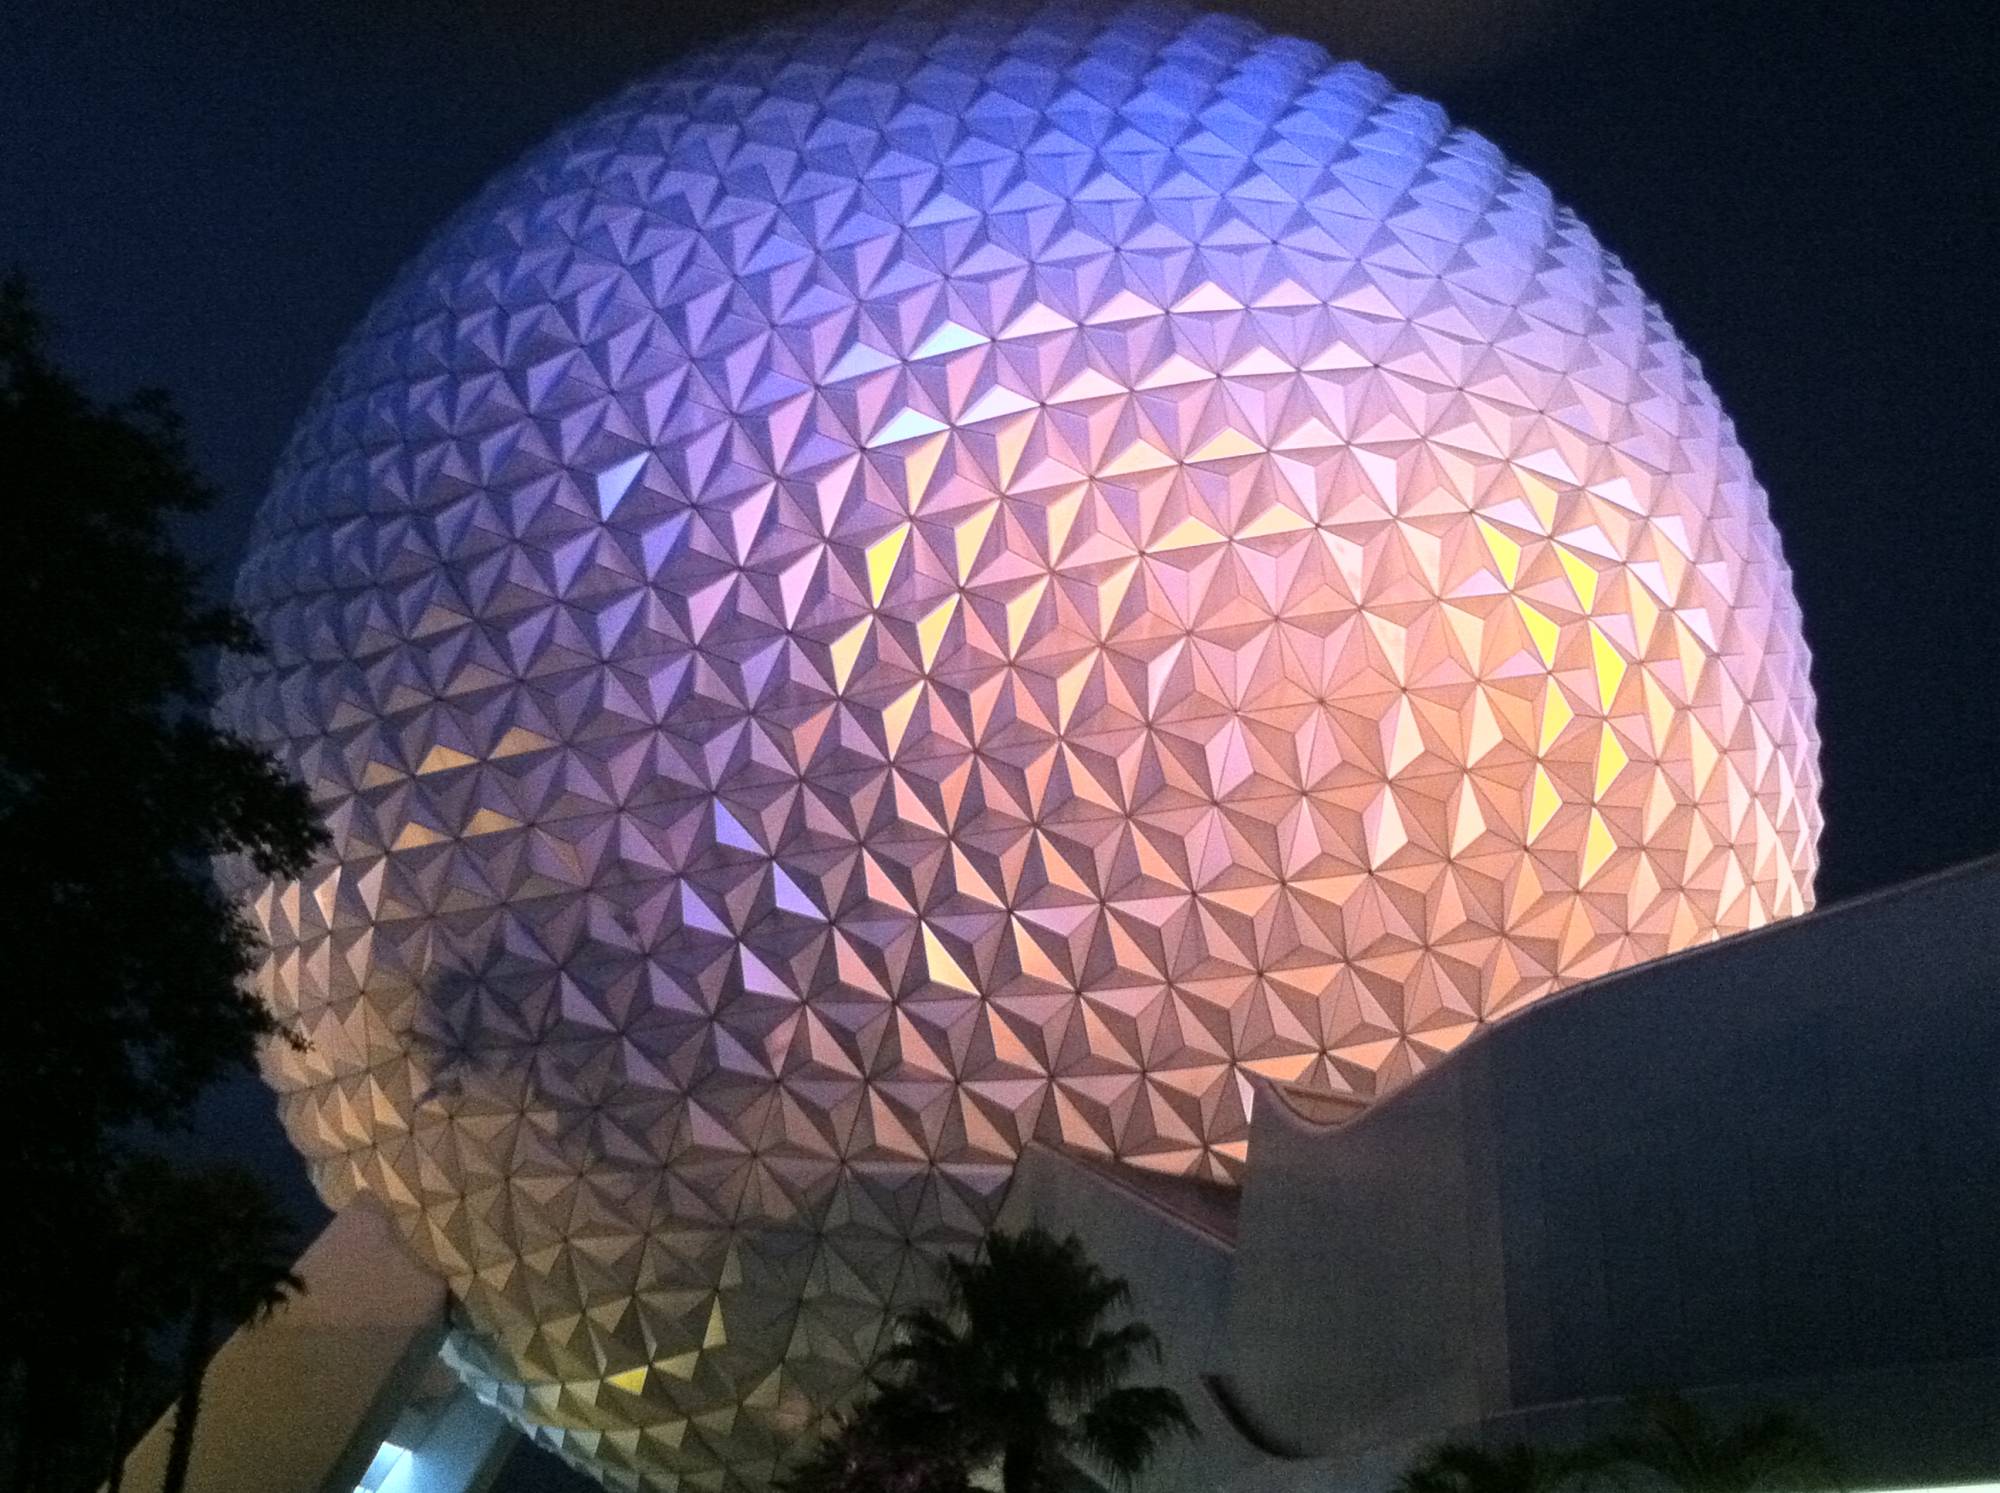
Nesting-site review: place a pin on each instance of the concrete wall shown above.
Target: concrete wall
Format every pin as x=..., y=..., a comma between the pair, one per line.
x=1354, y=1316
x=300, y=1404
x=1770, y=1167
x=1780, y=1158
x=1177, y=1261
x=444, y=1441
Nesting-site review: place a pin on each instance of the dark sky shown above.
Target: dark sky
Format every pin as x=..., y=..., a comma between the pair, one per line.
x=208, y=193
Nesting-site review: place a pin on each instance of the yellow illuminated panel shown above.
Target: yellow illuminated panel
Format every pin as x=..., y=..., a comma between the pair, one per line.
x=839, y=637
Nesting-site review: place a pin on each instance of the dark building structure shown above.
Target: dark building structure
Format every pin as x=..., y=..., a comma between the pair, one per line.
x=1762, y=1173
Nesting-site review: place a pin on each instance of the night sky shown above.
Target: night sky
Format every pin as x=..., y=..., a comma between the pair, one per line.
x=207, y=196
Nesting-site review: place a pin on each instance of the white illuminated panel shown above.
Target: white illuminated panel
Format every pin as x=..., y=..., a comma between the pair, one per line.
x=899, y=590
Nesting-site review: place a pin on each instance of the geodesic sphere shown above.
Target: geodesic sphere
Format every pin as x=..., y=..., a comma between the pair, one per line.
x=910, y=586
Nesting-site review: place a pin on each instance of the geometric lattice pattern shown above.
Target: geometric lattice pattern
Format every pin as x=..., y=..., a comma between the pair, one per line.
x=907, y=586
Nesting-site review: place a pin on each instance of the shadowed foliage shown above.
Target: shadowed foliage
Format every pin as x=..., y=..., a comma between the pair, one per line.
x=124, y=961
x=1671, y=1448
x=1676, y=1445
x=1458, y=1467
x=235, y=1251
x=1019, y=1368
x=898, y=1442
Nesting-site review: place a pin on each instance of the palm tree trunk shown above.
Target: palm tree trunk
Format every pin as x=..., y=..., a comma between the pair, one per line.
x=13, y=1394
x=194, y=1363
x=31, y=1428
x=122, y=1408
x=1019, y=1467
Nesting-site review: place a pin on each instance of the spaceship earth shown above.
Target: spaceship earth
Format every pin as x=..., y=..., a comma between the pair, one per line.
x=923, y=583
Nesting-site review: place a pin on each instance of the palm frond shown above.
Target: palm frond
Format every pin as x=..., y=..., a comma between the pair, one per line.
x=1020, y=1355
x=1774, y=1452
x=1123, y=1430
x=1462, y=1467
x=1102, y=1362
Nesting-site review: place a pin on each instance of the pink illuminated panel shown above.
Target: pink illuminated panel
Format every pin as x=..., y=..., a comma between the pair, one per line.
x=895, y=591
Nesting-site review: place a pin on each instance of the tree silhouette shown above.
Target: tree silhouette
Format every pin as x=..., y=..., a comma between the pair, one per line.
x=236, y=1251
x=895, y=1443
x=141, y=1285
x=1459, y=1467
x=116, y=791
x=1771, y=1452
x=1022, y=1369
x=124, y=960
x=1673, y=1446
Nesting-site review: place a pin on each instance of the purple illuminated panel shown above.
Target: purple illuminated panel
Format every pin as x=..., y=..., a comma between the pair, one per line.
x=902, y=588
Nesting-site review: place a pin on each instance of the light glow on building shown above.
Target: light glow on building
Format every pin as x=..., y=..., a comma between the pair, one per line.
x=905, y=587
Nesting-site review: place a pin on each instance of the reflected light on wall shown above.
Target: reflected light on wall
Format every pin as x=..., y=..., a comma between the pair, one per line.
x=386, y=1471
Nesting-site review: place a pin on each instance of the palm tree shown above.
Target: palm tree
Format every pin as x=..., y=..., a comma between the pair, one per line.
x=138, y=1289
x=235, y=1252
x=1019, y=1364
x=1459, y=1467
x=896, y=1443
x=1773, y=1452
